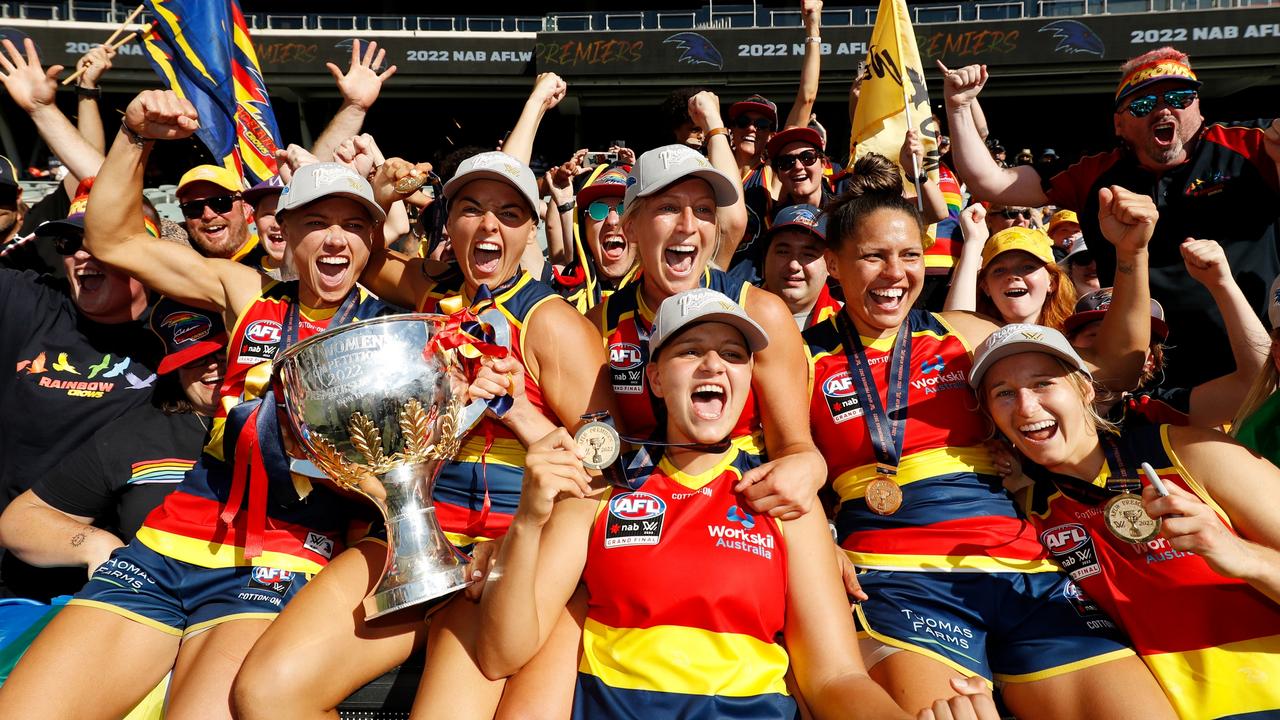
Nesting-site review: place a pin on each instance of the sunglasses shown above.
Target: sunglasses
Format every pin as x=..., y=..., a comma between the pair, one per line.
x=67, y=244
x=220, y=204
x=599, y=210
x=763, y=124
x=1176, y=99
x=1013, y=213
x=806, y=158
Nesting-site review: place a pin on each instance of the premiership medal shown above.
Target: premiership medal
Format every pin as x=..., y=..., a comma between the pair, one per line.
x=600, y=443
x=883, y=495
x=411, y=182
x=1127, y=520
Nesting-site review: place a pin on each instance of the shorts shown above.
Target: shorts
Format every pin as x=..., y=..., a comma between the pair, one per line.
x=1010, y=627
x=181, y=599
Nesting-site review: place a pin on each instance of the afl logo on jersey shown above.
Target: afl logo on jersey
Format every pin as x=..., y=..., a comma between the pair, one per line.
x=841, y=397
x=1064, y=538
x=637, y=506
x=263, y=331
x=260, y=341
x=635, y=518
x=625, y=356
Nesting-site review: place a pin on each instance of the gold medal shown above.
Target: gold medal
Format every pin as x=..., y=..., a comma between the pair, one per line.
x=411, y=182
x=883, y=495
x=601, y=444
x=1128, y=520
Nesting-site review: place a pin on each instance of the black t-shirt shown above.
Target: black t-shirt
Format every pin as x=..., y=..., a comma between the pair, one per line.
x=71, y=377
x=1227, y=191
x=123, y=472
x=117, y=477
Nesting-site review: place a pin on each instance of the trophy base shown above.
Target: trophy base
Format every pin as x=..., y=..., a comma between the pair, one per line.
x=428, y=592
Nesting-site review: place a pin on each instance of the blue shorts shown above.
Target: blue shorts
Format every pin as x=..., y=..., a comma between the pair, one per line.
x=1011, y=627
x=179, y=598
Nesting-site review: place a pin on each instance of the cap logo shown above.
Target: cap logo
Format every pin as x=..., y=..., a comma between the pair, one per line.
x=186, y=326
x=330, y=174
x=488, y=160
x=1032, y=336
x=695, y=301
x=679, y=155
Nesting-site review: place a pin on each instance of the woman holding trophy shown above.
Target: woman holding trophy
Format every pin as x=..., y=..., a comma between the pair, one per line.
x=213, y=565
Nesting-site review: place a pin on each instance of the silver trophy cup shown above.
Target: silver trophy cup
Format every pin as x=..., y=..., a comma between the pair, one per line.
x=380, y=415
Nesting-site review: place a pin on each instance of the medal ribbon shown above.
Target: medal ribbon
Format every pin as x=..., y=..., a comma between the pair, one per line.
x=473, y=338
x=259, y=442
x=1087, y=492
x=885, y=426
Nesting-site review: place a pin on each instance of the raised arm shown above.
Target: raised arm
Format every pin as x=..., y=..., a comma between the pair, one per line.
x=542, y=556
x=810, y=72
x=88, y=119
x=1216, y=402
x=396, y=278
x=963, y=294
x=911, y=160
x=731, y=221
x=360, y=87
x=113, y=227
x=548, y=90
x=33, y=88
x=986, y=179
x=559, y=181
x=1127, y=221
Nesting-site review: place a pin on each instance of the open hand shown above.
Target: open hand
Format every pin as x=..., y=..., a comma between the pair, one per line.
x=31, y=86
x=361, y=84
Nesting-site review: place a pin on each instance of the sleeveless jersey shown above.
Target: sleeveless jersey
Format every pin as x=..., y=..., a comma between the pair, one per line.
x=1212, y=642
x=305, y=523
x=687, y=597
x=955, y=514
x=759, y=205
x=825, y=308
x=476, y=494
x=625, y=325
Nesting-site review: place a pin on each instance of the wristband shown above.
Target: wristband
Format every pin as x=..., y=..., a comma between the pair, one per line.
x=88, y=92
x=923, y=178
x=717, y=131
x=814, y=39
x=567, y=206
x=134, y=138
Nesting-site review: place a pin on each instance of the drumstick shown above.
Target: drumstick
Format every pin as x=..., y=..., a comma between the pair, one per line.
x=136, y=11
x=119, y=44
x=1156, y=482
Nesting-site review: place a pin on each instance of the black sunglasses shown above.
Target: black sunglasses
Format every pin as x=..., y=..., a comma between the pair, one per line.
x=1176, y=99
x=220, y=204
x=763, y=124
x=806, y=158
x=1012, y=213
x=67, y=244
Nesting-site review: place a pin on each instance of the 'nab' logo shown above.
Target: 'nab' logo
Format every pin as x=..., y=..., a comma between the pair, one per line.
x=637, y=506
x=265, y=332
x=1064, y=538
x=624, y=356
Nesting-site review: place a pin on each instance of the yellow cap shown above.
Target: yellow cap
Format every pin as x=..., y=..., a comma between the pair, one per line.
x=1018, y=238
x=1062, y=216
x=215, y=174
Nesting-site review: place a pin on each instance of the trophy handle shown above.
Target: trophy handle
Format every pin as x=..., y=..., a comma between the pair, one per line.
x=474, y=410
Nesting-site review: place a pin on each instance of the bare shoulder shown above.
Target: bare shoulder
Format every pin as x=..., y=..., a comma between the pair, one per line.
x=767, y=309
x=556, y=328
x=972, y=327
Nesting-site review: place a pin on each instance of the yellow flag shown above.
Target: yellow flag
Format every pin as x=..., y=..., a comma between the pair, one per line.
x=894, y=96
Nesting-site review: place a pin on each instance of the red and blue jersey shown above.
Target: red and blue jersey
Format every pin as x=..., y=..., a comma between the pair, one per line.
x=955, y=514
x=825, y=308
x=476, y=495
x=625, y=325
x=1212, y=642
x=686, y=600
x=305, y=524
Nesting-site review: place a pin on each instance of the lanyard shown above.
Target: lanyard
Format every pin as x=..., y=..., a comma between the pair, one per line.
x=1086, y=492
x=293, y=321
x=886, y=427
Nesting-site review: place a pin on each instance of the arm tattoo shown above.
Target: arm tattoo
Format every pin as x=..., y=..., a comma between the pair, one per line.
x=78, y=539
x=1126, y=268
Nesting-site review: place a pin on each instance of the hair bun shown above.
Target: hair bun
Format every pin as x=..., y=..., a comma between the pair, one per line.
x=873, y=174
